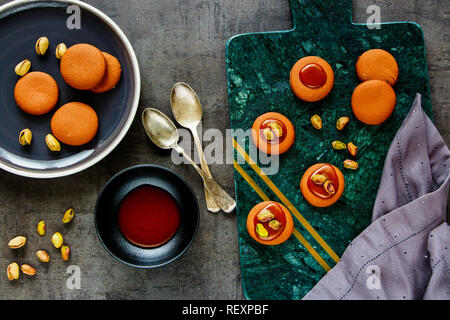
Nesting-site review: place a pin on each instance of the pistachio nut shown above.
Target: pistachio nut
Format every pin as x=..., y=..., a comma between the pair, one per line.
x=265, y=216
x=276, y=129
x=42, y=256
x=13, y=271
x=57, y=240
x=350, y=164
x=42, y=45
x=352, y=149
x=65, y=252
x=60, y=50
x=28, y=270
x=25, y=137
x=342, y=123
x=261, y=231
x=329, y=187
x=339, y=145
x=319, y=178
x=52, y=143
x=17, y=242
x=23, y=67
x=41, y=227
x=275, y=225
x=68, y=215
x=316, y=121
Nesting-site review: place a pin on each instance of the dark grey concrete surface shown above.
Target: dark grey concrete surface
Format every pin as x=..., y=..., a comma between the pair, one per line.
x=176, y=40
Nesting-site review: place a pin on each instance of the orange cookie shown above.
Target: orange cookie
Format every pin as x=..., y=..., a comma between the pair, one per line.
x=311, y=79
x=377, y=64
x=113, y=74
x=83, y=66
x=315, y=191
x=75, y=124
x=373, y=102
x=36, y=93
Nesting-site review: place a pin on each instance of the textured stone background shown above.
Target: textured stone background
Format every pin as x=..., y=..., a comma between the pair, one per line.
x=179, y=40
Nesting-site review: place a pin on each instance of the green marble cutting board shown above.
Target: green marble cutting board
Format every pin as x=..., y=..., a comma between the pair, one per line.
x=258, y=67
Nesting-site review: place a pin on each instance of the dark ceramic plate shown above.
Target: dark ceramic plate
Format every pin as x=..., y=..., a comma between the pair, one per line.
x=21, y=24
x=106, y=216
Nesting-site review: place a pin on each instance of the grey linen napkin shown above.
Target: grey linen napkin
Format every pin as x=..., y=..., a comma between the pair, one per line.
x=405, y=252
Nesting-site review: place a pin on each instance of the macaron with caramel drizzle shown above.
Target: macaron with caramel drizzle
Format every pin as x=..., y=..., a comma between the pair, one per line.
x=270, y=223
x=273, y=133
x=322, y=185
x=311, y=79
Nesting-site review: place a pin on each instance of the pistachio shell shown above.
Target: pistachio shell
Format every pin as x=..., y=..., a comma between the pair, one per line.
x=265, y=216
x=17, y=242
x=23, y=67
x=43, y=256
x=60, y=50
x=13, y=271
x=339, y=145
x=28, y=270
x=52, y=143
x=25, y=137
x=42, y=45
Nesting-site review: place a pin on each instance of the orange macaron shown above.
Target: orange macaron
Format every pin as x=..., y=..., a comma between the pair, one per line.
x=74, y=124
x=311, y=79
x=377, y=64
x=36, y=93
x=83, y=66
x=112, y=76
x=373, y=102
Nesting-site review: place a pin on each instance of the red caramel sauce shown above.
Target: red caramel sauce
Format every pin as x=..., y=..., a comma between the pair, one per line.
x=313, y=76
x=266, y=124
x=148, y=216
x=318, y=190
x=278, y=212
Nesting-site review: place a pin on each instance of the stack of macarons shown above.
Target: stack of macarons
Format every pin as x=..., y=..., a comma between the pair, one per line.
x=374, y=100
x=83, y=67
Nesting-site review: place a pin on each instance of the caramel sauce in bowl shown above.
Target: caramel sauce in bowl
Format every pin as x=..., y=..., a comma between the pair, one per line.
x=146, y=216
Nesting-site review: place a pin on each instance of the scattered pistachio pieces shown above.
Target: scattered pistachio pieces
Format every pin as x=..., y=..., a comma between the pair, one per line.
x=352, y=149
x=52, y=143
x=17, y=242
x=342, y=123
x=41, y=227
x=339, y=145
x=261, y=231
x=316, y=121
x=350, y=164
x=13, y=271
x=65, y=252
x=275, y=225
x=28, y=270
x=57, y=240
x=60, y=50
x=23, y=67
x=42, y=45
x=319, y=179
x=265, y=216
x=68, y=215
x=43, y=256
x=25, y=137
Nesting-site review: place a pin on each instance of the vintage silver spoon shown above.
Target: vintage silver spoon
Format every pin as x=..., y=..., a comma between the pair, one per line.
x=163, y=133
x=188, y=112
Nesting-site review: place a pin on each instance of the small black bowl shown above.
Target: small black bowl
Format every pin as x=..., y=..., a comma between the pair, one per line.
x=106, y=216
